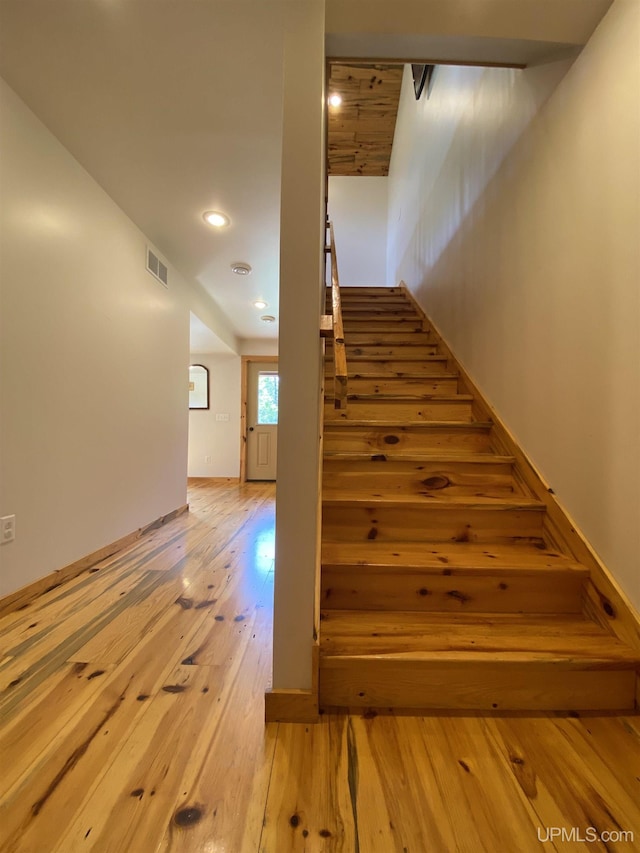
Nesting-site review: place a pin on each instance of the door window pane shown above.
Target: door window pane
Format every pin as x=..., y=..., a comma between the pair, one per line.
x=268, y=398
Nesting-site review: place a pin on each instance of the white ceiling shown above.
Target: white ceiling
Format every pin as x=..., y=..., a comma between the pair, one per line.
x=175, y=107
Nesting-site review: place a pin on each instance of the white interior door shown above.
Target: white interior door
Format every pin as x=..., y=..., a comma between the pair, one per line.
x=262, y=420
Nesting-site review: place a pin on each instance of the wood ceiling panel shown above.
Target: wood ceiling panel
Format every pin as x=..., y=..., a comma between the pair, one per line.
x=360, y=130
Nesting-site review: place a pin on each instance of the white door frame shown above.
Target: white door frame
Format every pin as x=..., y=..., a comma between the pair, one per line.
x=245, y=361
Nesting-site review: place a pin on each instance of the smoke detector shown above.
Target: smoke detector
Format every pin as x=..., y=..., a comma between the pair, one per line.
x=241, y=268
x=268, y=318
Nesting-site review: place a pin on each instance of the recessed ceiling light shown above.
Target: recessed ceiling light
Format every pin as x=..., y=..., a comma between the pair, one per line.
x=335, y=100
x=215, y=218
x=260, y=303
x=268, y=318
x=241, y=268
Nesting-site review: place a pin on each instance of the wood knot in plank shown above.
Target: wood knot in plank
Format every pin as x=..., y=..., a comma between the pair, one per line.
x=188, y=816
x=459, y=596
x=438, y=481
x=607, y=606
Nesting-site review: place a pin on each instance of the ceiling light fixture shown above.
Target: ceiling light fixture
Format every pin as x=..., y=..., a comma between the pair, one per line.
x=335, y=100
x=241, y=268
x=268, y=318
x=260, y=303
x=215, y=218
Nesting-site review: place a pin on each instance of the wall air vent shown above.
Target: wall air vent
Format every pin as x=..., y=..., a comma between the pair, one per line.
x=157, y=268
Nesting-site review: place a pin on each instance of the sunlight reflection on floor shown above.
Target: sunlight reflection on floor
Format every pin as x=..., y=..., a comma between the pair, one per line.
x=265, y=548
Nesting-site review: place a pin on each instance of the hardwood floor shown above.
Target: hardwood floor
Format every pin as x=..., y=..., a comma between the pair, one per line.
x=131, y=703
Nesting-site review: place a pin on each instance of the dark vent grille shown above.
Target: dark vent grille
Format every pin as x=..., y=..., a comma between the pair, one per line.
x=157, y=268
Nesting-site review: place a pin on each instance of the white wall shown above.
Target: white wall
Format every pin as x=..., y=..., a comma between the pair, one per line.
x=301, y=294
x=358, y=209
x=514, y=218
x=208, y=437
x=258, y=346
x=94, y=361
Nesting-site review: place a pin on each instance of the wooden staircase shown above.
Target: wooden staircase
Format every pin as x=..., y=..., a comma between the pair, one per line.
x=439, y=586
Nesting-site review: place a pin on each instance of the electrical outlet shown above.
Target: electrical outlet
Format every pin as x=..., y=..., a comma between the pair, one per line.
x=7, y=528
x=207, y=459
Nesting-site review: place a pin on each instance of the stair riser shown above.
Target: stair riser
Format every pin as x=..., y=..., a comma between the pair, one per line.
x=394, y=367
x=376, y=307
x=388, y=338
x=410, y=684
x=400, y=385
x=364, y=588
x=397, y=300
x=416, y=351
x=393, y=441
x=431, y=479
x=372, y=313
x=378, y=327
x=425, y=410
x=373, y=470
x=361, y=292
x=433, y=523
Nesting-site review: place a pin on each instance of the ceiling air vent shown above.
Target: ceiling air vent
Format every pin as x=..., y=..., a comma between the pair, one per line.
x=157, y=268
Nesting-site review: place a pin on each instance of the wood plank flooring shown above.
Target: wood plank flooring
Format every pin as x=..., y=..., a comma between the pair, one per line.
x=131, y=721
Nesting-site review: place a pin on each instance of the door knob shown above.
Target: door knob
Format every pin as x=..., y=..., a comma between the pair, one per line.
x=250, y=429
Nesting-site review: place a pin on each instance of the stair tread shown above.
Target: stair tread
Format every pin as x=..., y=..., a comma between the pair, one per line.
x=381, y=398
x=348, y=497
x=417, y=377
x=464, y=637
x=393, y=424
x=447, y=558
x=399, y=357
x=376, y=342
x=361, y=456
